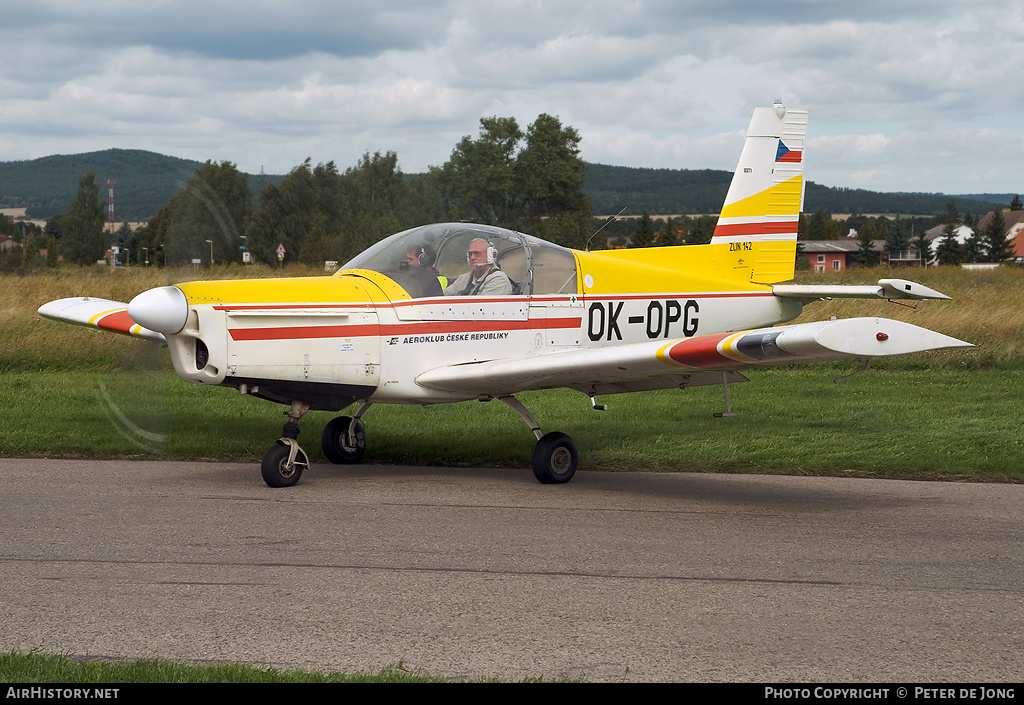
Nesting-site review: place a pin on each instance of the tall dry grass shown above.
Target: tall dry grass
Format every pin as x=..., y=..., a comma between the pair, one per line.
x=987, y=309
x=30, y=342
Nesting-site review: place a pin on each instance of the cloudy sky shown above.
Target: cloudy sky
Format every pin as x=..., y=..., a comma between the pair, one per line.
x=904, y=95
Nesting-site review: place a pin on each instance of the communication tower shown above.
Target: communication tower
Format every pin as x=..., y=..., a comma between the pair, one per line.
x=110, y=203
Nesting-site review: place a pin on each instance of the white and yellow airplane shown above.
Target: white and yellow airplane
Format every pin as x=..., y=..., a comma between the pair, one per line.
x=519, y=314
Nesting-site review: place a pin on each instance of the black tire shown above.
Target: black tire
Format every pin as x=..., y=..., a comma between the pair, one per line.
x=275, y=468
x=555, y=459
x=338, y=447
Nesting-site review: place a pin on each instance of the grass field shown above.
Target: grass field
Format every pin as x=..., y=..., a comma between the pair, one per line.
x=70, y=391
x=37, y=667
x=899, y=423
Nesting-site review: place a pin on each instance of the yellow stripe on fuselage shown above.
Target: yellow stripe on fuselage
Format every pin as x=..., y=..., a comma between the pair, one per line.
x=348, y=288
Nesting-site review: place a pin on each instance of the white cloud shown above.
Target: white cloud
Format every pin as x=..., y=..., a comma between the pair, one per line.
x=903, y=96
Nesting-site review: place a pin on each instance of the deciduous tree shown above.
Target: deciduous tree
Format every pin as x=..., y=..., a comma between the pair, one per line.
x=214, y=207
x=514, y=179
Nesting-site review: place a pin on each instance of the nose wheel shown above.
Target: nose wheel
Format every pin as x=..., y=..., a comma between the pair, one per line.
x=284, y=462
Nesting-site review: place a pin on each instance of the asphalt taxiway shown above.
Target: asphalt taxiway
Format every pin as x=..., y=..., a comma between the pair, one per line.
x=486, y=573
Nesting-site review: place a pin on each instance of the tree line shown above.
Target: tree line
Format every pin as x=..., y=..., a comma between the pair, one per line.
x=530, y=180
x=146, y=181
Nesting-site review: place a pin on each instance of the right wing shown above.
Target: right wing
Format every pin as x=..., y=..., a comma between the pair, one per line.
x=699, y=360
x=97, y=313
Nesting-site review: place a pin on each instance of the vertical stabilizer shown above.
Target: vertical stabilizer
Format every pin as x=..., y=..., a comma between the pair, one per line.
x=755, y=240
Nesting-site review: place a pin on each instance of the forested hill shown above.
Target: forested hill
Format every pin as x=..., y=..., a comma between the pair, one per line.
x=661, y=191
x=690, y=192
x=146, y=181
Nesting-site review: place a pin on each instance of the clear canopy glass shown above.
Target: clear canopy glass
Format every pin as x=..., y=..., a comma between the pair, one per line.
x=424, y=260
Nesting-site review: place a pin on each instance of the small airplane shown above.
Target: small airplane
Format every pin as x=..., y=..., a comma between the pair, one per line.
x=452, y=312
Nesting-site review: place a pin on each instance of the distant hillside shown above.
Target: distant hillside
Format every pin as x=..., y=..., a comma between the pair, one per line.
x=664, y=191
x=146, y=181
x=689, y=192
x=844, y=200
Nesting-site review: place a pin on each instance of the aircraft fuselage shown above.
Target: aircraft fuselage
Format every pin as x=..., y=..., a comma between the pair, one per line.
x=355, y=340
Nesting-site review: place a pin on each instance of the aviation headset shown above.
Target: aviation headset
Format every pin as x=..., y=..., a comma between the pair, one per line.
x=425, y=256
x=492, y=252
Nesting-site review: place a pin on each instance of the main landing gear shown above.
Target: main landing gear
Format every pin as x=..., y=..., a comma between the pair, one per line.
x=554, y=461
x=343, y=442
x=555, y=457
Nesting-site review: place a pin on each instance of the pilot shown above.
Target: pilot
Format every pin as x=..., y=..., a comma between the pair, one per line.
x=484, y=278
x=421, y=277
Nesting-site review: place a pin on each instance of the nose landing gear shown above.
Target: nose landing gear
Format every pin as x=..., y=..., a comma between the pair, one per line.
x=343, y=442
x=284, y=462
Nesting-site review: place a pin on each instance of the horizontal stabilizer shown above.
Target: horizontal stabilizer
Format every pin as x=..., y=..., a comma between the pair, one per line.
x=618, y=366
x=97, y=313
x=885, y=289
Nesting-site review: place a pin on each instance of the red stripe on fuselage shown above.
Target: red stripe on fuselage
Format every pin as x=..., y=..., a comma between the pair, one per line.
x=356, y=305
x=414, y=328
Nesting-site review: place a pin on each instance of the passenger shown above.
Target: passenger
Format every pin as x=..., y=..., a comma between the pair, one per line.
x=484, y=278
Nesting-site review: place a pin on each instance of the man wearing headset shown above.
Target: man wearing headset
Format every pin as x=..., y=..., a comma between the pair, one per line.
x=418, y=275
x=484, y=278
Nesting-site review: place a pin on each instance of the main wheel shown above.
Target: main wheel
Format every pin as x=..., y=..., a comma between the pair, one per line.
x=276, y=470
x=340, y=447
x=555, y=459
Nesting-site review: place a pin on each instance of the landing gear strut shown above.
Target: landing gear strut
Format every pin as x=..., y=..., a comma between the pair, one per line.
x=555, y=457
x=284, y=462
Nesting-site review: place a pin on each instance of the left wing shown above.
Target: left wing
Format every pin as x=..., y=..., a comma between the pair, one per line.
x=97, y=313
x=688, y=361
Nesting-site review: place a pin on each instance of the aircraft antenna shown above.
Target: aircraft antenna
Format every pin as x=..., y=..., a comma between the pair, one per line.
x=586, y=248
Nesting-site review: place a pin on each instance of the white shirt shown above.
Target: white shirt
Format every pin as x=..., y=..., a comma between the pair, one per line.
x=494, y=282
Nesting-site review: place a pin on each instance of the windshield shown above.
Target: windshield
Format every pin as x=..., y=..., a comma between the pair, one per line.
x=426, y=260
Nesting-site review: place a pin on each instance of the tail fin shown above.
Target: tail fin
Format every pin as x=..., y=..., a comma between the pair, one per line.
x=755, y=240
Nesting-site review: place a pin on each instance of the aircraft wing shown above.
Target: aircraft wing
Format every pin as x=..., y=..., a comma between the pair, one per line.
x=705, y=358
x=885, y=289
x=97, y=313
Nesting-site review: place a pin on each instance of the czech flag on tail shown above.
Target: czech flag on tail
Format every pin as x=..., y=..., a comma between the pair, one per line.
x=785, y=154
